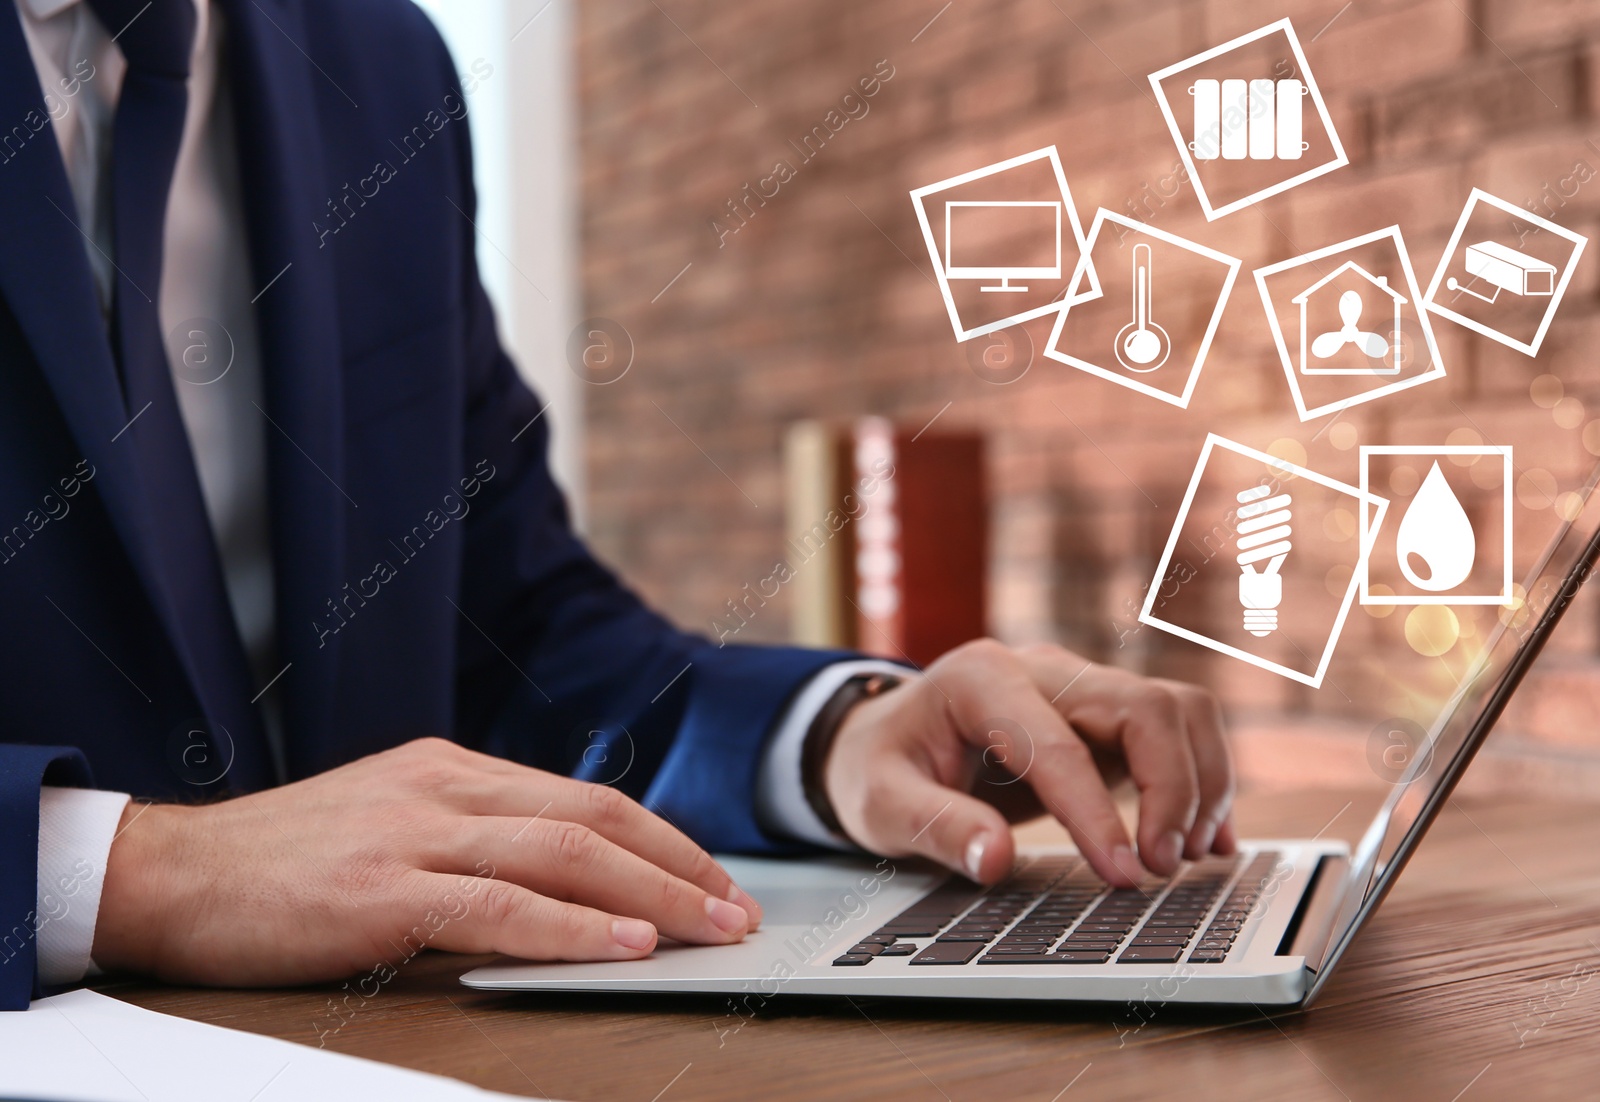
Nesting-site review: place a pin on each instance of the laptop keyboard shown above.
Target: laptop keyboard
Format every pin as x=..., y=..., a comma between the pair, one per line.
x=1055, y=910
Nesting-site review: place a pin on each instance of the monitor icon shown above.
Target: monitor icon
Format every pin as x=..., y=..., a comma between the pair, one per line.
x=1002, y=239
x=1008, y=228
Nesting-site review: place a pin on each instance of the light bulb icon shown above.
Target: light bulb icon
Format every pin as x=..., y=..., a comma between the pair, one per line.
x=1262, y=536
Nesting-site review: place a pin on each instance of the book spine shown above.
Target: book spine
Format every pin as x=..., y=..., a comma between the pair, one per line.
x=879, y=583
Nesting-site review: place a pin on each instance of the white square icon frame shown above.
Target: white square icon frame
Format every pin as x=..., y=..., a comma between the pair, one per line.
x=1340, y=159
x=1435, y=371
x=1367, y=501
x=1085, y=266
x=918, y=197
x=1505, y=596
x=1527, y=348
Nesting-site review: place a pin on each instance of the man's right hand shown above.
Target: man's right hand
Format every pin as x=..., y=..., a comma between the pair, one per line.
x=427, y=843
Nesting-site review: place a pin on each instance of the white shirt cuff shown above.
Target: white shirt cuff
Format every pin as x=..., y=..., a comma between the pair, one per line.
x=76, y=828
x=781, y=804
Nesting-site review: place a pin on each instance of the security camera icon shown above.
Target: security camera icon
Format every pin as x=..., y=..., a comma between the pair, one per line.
x=1506, y=269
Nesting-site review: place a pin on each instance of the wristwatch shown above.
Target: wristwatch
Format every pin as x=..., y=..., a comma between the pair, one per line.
x=824, y=729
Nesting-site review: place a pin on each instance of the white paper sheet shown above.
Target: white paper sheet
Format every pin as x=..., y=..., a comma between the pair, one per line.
x=86, y=1047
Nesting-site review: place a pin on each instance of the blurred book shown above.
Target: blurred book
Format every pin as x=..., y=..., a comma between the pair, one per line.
x=887, y=537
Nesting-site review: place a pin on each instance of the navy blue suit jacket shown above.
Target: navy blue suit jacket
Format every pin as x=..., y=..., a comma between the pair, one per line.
x=428, y=580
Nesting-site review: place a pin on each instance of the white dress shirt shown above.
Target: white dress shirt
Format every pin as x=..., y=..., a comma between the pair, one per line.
x=205, y=310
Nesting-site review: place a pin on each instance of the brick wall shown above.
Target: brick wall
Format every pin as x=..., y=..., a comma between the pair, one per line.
x=818, y=300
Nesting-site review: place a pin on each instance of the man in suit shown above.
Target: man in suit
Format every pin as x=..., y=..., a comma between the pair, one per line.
x=276, y=525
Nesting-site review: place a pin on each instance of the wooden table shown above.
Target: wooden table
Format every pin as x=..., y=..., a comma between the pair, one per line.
x=1479, y=979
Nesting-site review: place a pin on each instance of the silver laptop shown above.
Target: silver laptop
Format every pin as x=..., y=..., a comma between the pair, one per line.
x=1267, y=926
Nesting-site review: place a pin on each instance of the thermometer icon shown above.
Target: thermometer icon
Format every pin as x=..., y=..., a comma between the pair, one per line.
x=1142, y=345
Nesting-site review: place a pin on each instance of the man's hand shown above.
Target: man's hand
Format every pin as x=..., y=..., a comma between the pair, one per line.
x=1039, y=729
x=429, y=845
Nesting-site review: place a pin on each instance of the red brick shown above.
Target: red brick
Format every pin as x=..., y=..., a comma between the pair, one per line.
x=1518, y=24
x=810, y=310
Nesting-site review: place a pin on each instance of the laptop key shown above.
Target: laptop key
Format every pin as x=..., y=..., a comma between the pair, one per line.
x=864, y=950
x=1045, y=958
x=1155, y=954
x=898, y=949
x=1079, y=957
x=851, y=960
x=948, y=952
x=1207, y=956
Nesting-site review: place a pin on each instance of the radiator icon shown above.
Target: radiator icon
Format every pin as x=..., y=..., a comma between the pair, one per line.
x=1261, y=120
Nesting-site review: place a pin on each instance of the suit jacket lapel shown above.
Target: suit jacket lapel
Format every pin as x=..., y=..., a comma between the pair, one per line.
x=281, y=166
x=45, y=277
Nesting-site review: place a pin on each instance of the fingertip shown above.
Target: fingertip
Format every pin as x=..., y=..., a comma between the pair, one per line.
x=1125, y=871
x=1200, y=840
x=634, y=935
x=732, y=921
x=739, y=897
x=972, y=863
x=1160, y=850
x=987, y=856
x=1226, y=842
x=1166, y=855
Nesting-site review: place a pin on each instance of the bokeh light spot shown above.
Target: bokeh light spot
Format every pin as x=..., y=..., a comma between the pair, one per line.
x=1489, y=476
x=1536, y=489
x=1379, y=612
x=1432, y=629
x=1546, y=391
x=1338, y=580
x=1464, y=438
x=1289, y=450
x=1404, y=480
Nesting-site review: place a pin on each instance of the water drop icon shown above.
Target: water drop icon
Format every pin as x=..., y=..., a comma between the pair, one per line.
x=1436, y=544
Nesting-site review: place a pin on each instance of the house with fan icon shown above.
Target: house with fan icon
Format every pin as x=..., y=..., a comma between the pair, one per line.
x=1360, y=345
